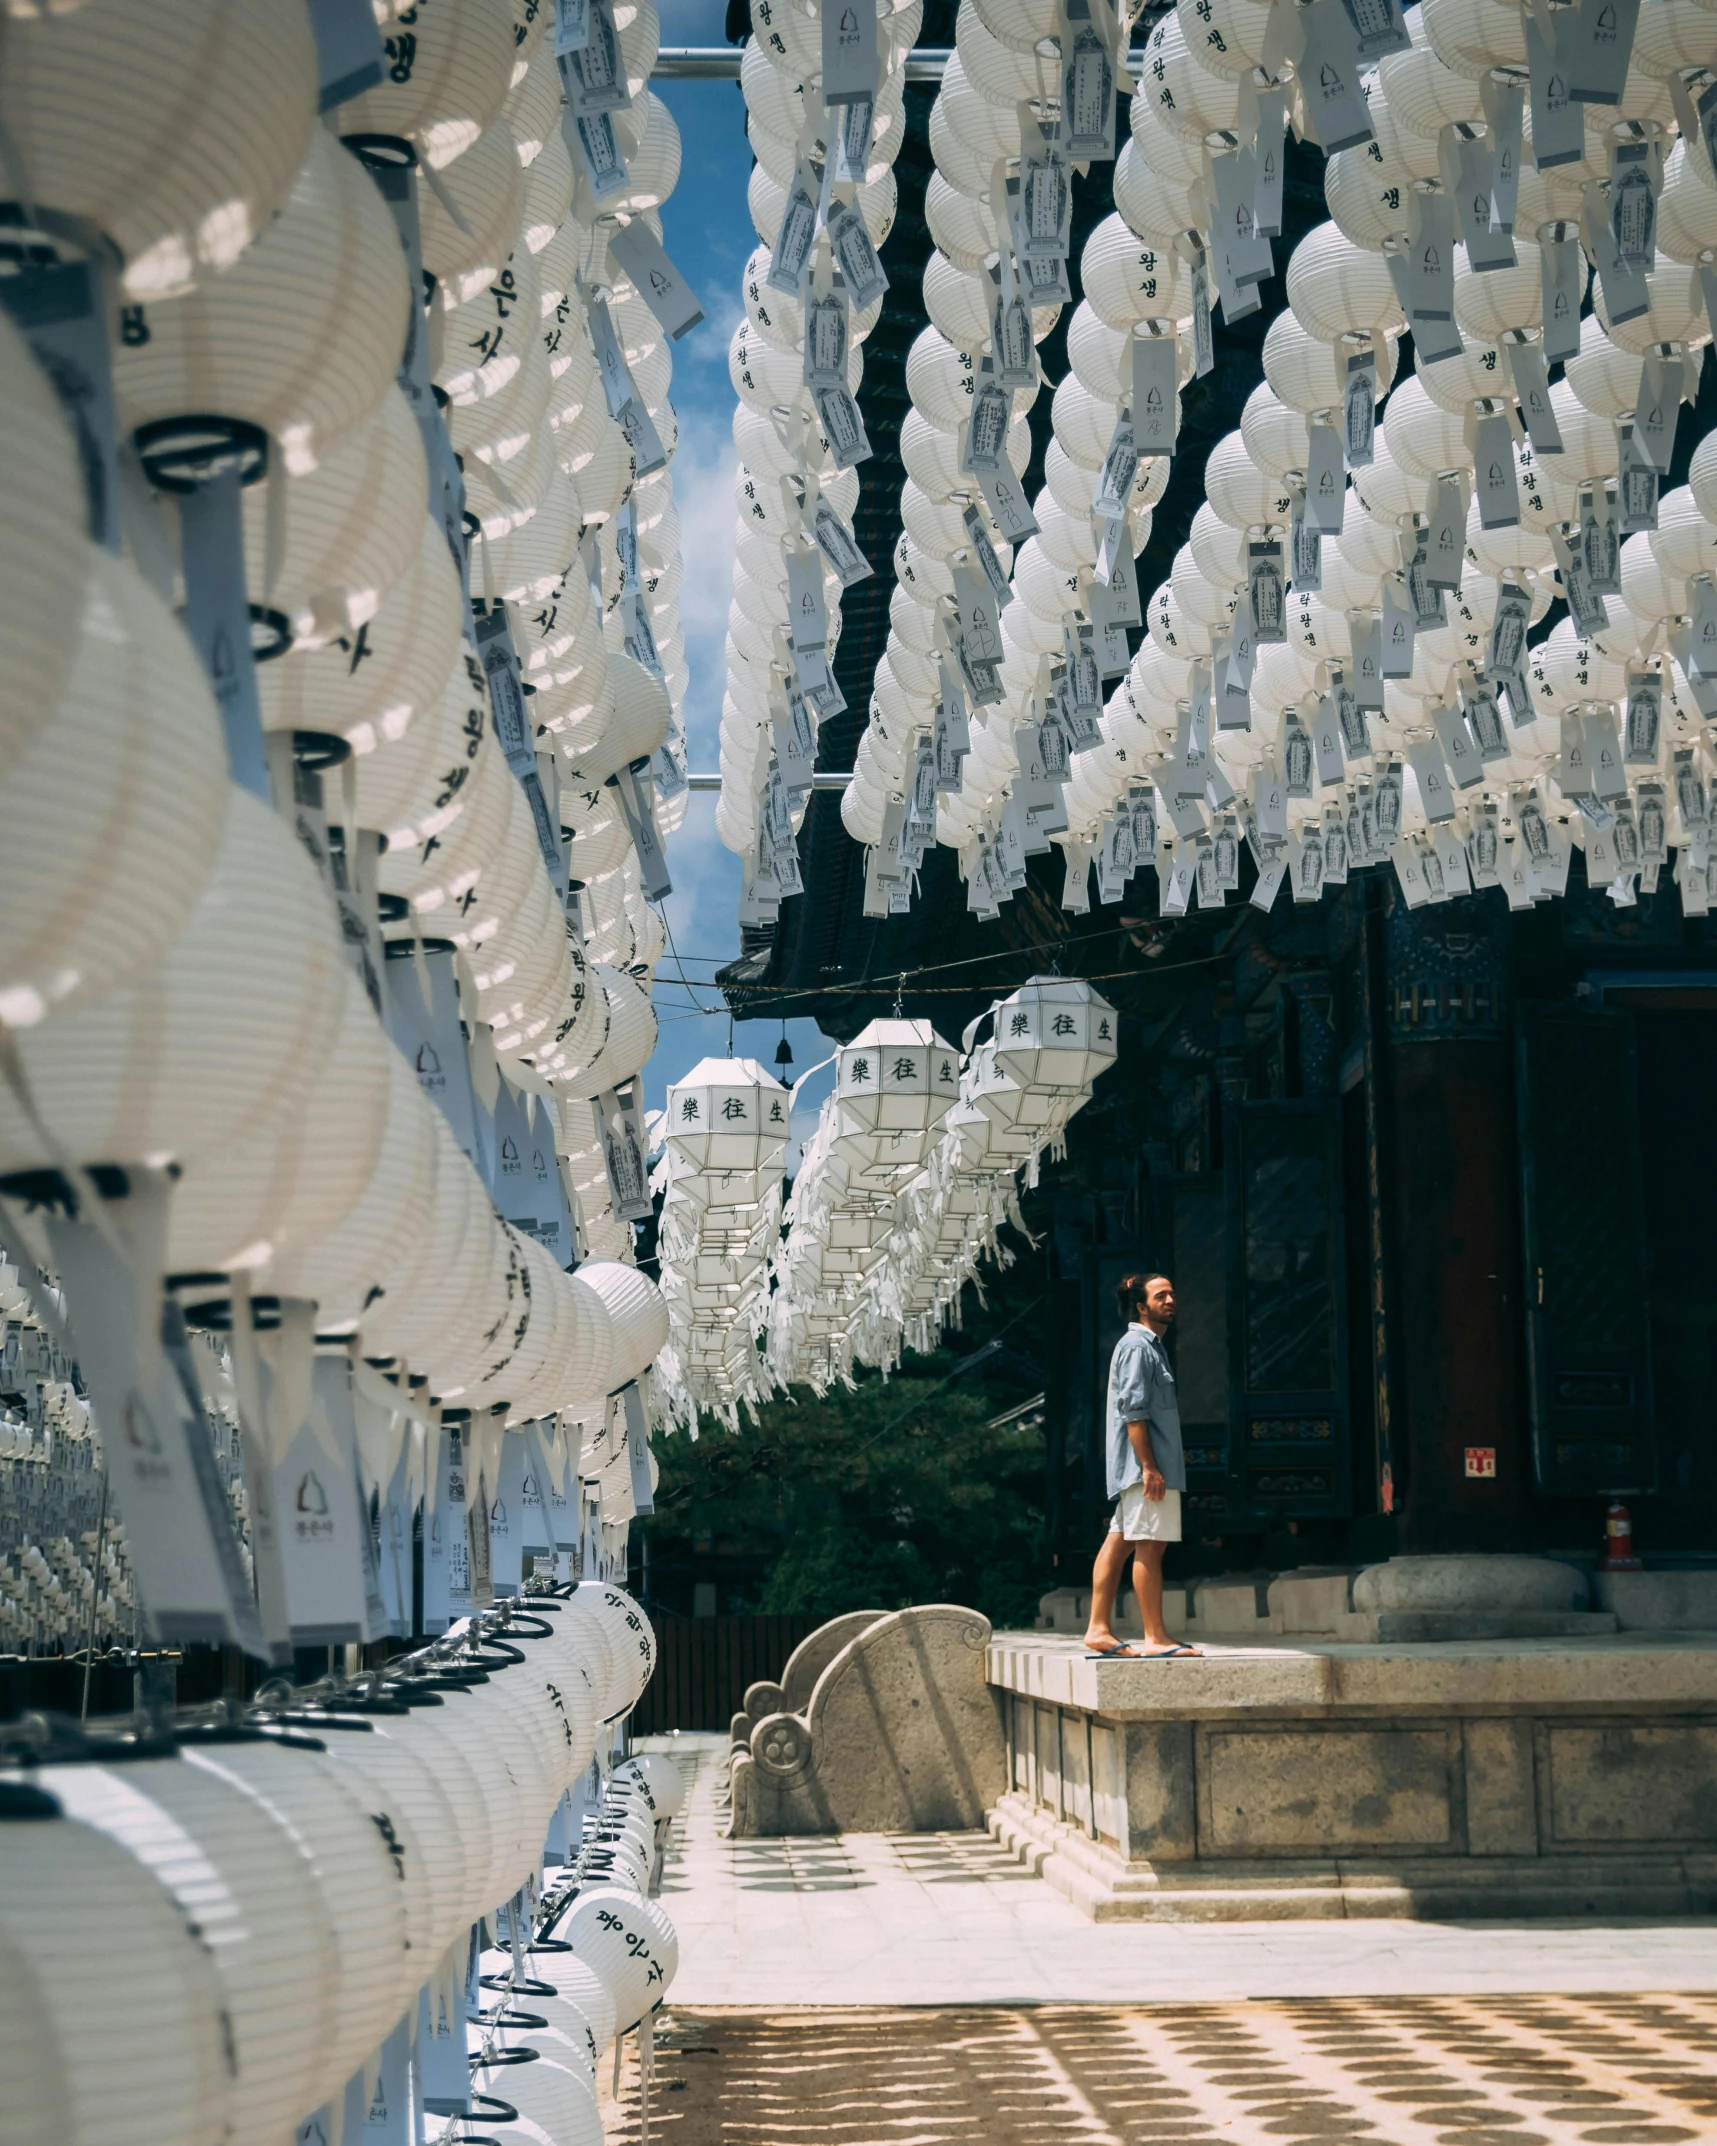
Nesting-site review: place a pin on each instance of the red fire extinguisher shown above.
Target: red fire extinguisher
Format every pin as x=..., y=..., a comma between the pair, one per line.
x=1618, y=1542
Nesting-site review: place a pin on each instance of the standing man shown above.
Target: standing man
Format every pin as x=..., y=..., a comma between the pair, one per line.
x=1146, y=1472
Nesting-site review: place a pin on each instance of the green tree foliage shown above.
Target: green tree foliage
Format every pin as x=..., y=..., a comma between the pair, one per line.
x=898, y=1492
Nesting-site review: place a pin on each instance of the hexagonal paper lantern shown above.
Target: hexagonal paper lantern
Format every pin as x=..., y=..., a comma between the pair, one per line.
x=897, y=1076
x=1015, y=1104
x=728, y=1114
x=1055, y=1032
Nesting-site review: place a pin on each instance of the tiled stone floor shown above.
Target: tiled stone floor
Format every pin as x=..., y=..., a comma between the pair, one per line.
x=1387, y=2071
x=923, y=1990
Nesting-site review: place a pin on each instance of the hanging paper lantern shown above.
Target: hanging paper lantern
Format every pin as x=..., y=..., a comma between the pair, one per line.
x=72, y=1899
x=630, y=1943
x=175, y=133
x=228, y=1023
x=359, y=1880
x=47, y=559
x=302, y=335
x=112, y=804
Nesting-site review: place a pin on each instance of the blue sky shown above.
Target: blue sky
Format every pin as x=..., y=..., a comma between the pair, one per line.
x=708, y=232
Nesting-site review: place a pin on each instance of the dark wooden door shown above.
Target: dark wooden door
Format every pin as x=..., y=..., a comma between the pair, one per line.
x=1287, y=1315
x=1588, y=1282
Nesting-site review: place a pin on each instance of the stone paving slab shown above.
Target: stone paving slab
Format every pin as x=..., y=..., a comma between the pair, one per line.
x=952, y=1920
x=1612, y=2070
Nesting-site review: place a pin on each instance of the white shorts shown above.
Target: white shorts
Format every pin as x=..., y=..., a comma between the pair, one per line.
x=1142, y=1519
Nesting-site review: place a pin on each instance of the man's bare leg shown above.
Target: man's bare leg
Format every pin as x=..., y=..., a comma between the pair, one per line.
x=1148, y=1586
x=1106, y=1585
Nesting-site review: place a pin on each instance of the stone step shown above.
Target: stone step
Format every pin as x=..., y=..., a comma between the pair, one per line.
x=1430, y=1625
x=1426, y=1888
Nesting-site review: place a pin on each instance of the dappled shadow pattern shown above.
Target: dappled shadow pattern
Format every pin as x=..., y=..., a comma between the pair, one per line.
x=1388, y=2071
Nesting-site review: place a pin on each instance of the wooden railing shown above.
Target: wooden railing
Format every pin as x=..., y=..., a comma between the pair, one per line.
x=703, y=1665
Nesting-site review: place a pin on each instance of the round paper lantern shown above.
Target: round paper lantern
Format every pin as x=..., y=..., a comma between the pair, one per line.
x=291, y=1180
x=1156, y=204
x=1675, y=312
x=175, y=132
x=112, y=804
x=581, y=1989
x=357, y=1876
x=1019, y=25
x=1454, y=383
x=1687, y=207
x=1424, y=95
x=110, y=2024
x=630, y=1040
x=1685, y=541
x=485, y=183
x=554, y=2096
x=227, y=1024
x=446, y=80
x=653, y=153
x=661, y=1779
x=341, y=1269
x=637, y=726
x=1423, y=439
x=1489, y=307
x=374, y=682
x=1240, y=493
x=449, y=1739
x=1127, y=278
x=1336, y=288
x=961, y=228
x=301, y=336
x=240, y=1877
x=632, y=1642
x=1275, y=436
x=46, y=558
x=1309, y=375
x=1589, y=448
x=957, y=302
x=352, y=527
x=429, y=1738
x=1188, y=98
x=630, y=1943
x=529, y=562
x=637, y=1312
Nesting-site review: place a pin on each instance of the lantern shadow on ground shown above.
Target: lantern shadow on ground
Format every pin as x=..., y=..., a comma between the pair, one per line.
x=1536, y=2071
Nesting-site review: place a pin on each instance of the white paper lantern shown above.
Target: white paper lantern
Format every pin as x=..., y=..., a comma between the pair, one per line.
x=227, y=1024
x=292, y=1179
x=46, y=559
x=301, y=336
x=555, y=2096
x=447, y=79
x=579, y=1987
x=661, y=1779
x=639, y=1316
x=485, y=183
x=241, y=1876
x=360, y=1882
x=630, y=1943
x=895, y=1076
x=1335, y=287
x=112, y=804
x=110, y=2009
x=176, y=132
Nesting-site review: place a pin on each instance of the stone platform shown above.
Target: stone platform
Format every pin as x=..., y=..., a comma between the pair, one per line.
x=1571, y=1776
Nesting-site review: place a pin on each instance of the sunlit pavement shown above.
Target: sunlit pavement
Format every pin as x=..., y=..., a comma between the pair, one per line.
x=921, y=1989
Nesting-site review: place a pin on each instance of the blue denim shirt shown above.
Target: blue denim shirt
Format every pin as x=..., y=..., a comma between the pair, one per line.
x=1141, y=1390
